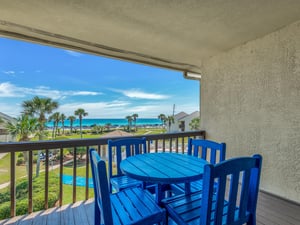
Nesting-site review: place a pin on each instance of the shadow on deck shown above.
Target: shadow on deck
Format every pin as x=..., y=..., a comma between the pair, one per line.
x=270, y=211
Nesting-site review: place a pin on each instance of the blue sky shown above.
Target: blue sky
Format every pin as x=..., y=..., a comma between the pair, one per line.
x=104, y=87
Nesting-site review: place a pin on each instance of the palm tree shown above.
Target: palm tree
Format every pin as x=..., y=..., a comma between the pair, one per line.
x=55, y=117
x=62, y=119
x=39, y=107
x=72, y=119
x=80, y=113
x=162, y=117
x=23, y=128
x=134, y=116
x=129, y=119
x=170, y=120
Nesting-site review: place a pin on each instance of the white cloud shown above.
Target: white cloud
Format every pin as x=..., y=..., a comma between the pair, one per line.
x=84, y=93
x=9, y=72
x=10, y=90
x=72, y=53
x=141, y=95
x=96, y=109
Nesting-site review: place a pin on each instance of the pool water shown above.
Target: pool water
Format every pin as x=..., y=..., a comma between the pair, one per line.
x=80, y=181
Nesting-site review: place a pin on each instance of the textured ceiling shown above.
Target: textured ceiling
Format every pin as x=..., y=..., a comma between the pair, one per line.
x=178, y=34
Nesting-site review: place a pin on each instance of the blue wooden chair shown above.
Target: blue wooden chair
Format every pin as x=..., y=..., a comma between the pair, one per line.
x=130, y=206
x=123, y=148
x=211, y=151
x=232, y=203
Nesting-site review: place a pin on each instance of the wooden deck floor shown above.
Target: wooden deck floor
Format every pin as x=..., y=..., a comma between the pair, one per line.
x=270, y=211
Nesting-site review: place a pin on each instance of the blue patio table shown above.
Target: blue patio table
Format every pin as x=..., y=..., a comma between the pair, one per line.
x=164, y=168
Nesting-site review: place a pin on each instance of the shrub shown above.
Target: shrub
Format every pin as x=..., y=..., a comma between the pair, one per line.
x=34, y=159
x=22, y=196
x=4, y=210
x=20, y=161
x=4, y=197
x=22, y=189
x=22, y=207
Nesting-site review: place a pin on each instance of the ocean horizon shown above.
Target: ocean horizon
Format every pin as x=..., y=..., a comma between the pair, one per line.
x=114, y=122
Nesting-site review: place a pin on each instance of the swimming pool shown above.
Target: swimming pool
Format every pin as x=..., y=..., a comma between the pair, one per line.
x=80, y=181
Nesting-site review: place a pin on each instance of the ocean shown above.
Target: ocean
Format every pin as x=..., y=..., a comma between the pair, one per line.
x=113, y=122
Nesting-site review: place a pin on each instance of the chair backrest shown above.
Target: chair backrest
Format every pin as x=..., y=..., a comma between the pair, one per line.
x=211, y=151
x=238, y=184
x=127, y=146
x=101, y=191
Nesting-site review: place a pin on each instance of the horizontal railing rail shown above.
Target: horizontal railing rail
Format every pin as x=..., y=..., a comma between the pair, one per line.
x=168, y=142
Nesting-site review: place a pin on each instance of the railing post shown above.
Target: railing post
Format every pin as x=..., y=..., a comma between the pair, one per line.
x=176, y=145
x=74, y=174
x=12, y=184
x=61, y=160
x=46, y=178
x=148, y=146
x=87, y=173
x=156, y=145
x=30, y=170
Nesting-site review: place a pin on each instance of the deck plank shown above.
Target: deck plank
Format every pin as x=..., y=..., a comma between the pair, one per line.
x=67, y=217
x=80, y=216
x=270, y=211
x=40, y=219
x=54, y=217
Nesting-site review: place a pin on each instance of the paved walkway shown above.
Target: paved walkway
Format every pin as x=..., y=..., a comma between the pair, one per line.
x=2, y=155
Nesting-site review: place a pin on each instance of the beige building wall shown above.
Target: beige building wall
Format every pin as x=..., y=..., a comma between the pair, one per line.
x=250, y=99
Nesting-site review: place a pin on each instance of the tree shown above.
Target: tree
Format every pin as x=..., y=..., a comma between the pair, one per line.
x=97, y=129
x=195, y=124
x=62, y=119
x=39, y=107
x=72, y=119
x=55, y=117
x=107, y=126
x=163, y=118
x=134, y=116
x=170, y=120
x=23, y=129
x=80, y=113
x=129, y=119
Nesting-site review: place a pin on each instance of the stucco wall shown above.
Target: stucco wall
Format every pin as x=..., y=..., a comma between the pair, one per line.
x=250, y=99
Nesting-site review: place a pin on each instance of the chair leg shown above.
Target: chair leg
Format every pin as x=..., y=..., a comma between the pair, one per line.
x=97, y=216
x=166, y=220
x=252, y=220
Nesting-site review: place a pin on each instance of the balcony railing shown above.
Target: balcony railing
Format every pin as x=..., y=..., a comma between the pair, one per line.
x=171, y=142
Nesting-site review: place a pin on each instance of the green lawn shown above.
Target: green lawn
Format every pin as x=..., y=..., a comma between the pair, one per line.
x=20, y=170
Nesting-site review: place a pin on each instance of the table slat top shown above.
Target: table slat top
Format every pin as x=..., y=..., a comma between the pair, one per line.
x=163, y=167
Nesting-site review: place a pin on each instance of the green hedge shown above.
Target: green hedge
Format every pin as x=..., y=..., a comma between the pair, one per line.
x=38, y=200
